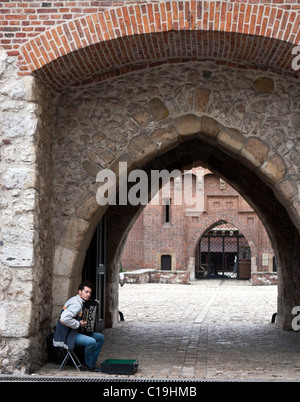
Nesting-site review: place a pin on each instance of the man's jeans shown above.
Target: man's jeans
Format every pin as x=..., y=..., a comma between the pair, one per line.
x=92, y=345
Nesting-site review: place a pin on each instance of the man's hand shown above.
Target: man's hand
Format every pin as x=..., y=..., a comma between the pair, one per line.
x=83, y=323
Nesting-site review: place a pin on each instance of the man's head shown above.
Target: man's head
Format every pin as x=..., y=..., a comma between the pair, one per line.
x=85, y=290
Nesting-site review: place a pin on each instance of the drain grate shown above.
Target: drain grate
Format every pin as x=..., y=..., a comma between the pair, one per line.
x=36, y=378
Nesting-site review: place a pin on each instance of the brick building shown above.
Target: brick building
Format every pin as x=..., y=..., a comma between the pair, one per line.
x=222, y=235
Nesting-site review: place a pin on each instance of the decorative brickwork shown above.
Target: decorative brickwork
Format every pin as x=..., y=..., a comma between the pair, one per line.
x=132, y=37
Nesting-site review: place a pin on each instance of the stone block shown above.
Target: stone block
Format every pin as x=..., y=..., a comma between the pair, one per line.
x=61, y=292
x=201, y=99
x=64, y=260
x=164, y=138
x=86, y=207
x=187, y=125
x=16, y=318
x=158, y=109
x=5, y=280
x=254, y=152
x=124, y=159
x=18, y=178
x=141, y=148
x=273, y=169
x=19, y=154
x=232, y=140
x=91, y=168
x=264, y=84
x=295, y=213
x=17, y=256
x=286, y=191
x=17, y=125
x=74, y=234
x=19, y=89
x=20, y=291
x=140, y=115
x=210, y=128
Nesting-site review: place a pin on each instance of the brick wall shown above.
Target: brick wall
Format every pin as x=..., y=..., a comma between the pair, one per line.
x=39, y=33
x=23, y=20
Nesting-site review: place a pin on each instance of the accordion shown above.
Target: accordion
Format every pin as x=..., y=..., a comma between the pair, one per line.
x=89, y=314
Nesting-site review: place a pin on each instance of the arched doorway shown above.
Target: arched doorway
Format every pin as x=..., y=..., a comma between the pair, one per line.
x=223, y=252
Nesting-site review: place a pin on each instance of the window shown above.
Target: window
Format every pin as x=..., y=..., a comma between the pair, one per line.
x=265, y=260
x=222, y=185
x=167, y=213
x=167, y=208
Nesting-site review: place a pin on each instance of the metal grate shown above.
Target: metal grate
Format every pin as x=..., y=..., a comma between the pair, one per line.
x=36, y=378
x=223, y=252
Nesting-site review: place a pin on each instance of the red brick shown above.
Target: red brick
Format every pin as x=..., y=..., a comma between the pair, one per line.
x=247, y=17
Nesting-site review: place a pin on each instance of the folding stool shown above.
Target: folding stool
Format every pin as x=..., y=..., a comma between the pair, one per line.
x=70, y=355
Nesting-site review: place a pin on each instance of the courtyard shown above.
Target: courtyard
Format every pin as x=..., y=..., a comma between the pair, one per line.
x=210, y=330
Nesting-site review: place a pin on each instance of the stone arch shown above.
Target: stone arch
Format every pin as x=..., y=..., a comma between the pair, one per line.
x=126, y=217
x=123, y=39
x=193, y=139
x=69, y=55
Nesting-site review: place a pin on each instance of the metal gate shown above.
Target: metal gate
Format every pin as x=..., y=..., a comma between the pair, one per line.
x=94, y=270
x=223, y=252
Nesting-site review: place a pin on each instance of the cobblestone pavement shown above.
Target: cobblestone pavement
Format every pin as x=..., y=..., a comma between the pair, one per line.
x=208, y=330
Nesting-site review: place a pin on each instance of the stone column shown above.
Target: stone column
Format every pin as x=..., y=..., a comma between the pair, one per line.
x=191, y=268
x=112, y=295
x=24, y=232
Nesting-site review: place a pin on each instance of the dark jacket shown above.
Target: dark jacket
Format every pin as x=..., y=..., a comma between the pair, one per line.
x=68, y=323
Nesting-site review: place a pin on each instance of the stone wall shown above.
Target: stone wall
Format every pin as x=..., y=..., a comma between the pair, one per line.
x=98, y=123
x=140, y=117
x=25, y=216
x=155, y=276
x=264, y=278
x=52, y=146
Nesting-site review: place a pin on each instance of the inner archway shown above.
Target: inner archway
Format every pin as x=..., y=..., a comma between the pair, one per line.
x=223, y=252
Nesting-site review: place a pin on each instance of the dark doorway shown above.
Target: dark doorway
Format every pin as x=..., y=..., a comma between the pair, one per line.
x=223, y=252
x=94, y=270
x=166, y=263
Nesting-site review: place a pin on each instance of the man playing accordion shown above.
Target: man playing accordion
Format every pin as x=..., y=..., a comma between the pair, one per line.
x=70, y=328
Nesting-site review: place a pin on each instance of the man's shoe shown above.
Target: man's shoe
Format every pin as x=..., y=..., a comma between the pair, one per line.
x=85, y=367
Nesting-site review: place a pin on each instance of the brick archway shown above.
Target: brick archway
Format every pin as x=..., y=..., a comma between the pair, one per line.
x=119, y=40
x=216, y=221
